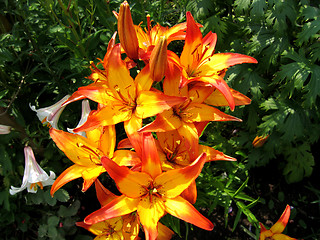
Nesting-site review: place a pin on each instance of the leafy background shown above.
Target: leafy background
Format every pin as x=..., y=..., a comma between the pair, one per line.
x=45, y=50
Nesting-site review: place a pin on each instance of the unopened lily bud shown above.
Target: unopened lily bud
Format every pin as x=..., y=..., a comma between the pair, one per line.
x=259, y=141
x=158, y=60
x=127, y=33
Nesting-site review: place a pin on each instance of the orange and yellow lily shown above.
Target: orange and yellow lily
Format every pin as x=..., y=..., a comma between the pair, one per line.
x=151, y=192
x=275, y=232
x=199, y=62
x=182, y=117
x=123, y=99
x=86, y=154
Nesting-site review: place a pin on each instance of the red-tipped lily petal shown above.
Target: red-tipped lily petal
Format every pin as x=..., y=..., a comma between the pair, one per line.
x=174, y=182
x=118, y=207
x=215, y=155
x=104, y=195
x=281, y=224
x=191, y=53
x=220, y=61
x=150, y=210
x=182, y=209
x=150, y=103
x=218, y=82
x=150, y=158
x=131, y=184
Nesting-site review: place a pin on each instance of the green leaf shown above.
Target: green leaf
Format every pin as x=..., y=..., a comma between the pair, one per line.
x=62, y=195
x=49, y=200
x=199, y=8
x=300, y=163
x=53, y=221
x=258, y=7
x=313, y=87
x=242, y=5
x=42, y=230
x=310, y=31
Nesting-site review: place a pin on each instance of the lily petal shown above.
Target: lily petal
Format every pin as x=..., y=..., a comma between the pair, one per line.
x=131, y=184
x=118, y=207
x=281, y=224
x=150, y=211
x=104, y=195
x=182, y=209
x=150, y=103
x=150, y=159
x=172, y=183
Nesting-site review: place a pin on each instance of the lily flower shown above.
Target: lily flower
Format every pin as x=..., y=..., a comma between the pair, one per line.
x=127, y=101
x=34, y=176
x=184, y=116
x=275, y=232
x=4, y=129
x=124, y=227
x=201, y=64
x=158, y=60
x=151, y=192
x=86, y=154
x=84, y=116
x=50, y=115
x=137, y=42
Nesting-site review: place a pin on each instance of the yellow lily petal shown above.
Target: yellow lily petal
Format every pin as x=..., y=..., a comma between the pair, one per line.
x=143, y=80
x=131, y=127
x=182, y=209
x=71, y=173
x=216, y=98
x=131, y=184
x=107, y=141
x=126, y=158
x=150, y=103
x=197, y=112
x=118, y=207
x=166, y=121
x=172, y=183
x=119, y=79
x=89, y=175
x=282, y=237
x=131, y=226
x=150, y=210
x=108, y=115
x=78, y=149
x=190, y=135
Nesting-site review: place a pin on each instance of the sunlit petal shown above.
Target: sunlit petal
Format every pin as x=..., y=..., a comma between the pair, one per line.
x=104, y=195
x=118, y=207
x=182, y=209
x=280, y=225
x=132, y=184
x=172, y=183
x=150, y=210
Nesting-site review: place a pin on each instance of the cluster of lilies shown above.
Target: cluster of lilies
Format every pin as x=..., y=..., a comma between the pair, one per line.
x=155, y=167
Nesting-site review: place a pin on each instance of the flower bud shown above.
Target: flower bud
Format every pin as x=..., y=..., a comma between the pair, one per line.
x=127, y=33
x=158, y=60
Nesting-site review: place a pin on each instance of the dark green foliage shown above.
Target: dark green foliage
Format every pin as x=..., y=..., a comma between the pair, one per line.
x=45, y=50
